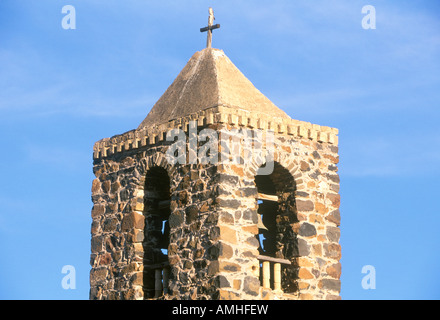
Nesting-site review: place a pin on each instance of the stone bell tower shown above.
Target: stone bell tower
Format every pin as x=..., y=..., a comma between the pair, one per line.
x=218, y=194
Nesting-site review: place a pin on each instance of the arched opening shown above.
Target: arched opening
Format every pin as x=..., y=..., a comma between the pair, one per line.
x=278, y=242
x=156, y=233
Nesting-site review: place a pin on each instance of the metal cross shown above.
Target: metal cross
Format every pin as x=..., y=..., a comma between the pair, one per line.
x=210, y=28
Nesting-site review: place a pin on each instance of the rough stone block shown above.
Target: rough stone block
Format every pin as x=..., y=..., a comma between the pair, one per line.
x=307, y=230
x=334, y=217
x=133, y=220
x=305, y=274
x=330, y=284
x=305, y=206
x=251, y=286
x=228, y=234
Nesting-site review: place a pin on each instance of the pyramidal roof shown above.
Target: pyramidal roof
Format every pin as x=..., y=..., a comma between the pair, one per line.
x=209, y=80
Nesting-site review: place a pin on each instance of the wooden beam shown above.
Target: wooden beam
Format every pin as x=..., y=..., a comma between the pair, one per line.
x=164, y=204
x=158, y=287
x=266, y=274
x=166, y=280
x=275, y=260
x=158, y=265
x=262, y=196
x=277, y=277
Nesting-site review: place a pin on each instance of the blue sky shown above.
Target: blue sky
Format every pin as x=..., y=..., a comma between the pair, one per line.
x=62, y=90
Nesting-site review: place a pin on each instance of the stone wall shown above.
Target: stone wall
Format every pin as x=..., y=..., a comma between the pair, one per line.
x=213, y=250
x=314, y=250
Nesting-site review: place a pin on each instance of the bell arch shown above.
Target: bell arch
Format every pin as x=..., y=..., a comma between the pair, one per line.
x=156, y=232
x=277, y=216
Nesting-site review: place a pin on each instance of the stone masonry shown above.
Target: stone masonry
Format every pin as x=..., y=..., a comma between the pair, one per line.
x=191, y=231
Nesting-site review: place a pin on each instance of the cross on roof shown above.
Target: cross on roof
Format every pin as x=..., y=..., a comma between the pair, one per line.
x=210, y=28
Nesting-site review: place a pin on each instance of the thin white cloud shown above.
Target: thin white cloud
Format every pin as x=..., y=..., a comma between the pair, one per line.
x=401, y=154
x=337, y=101
x=61, y=157
x=31, y=86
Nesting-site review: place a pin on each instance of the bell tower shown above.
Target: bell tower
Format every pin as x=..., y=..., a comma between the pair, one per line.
x=218, y=194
